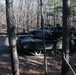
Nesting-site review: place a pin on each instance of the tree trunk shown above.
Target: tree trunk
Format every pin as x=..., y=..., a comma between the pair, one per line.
x=54, y=15
x=24, y=16
x=66, y=36
x=38, y=14
x=41, y=14
x=11, y=36
x=27, y=16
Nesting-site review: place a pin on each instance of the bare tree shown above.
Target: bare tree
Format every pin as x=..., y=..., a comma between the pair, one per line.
x=37, y=13
x=27, y=20
x=41, y=13
x=11, y=36
x=66, y=36
x=24, y=15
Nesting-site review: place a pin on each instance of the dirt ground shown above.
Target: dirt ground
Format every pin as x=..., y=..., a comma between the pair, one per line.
x=30, y=65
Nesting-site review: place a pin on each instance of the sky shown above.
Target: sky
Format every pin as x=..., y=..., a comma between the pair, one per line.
x=2, y=1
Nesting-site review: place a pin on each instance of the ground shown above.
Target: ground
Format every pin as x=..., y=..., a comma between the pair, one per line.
x=31, y=65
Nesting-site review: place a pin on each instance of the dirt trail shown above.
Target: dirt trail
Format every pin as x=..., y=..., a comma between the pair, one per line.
x=30, y=65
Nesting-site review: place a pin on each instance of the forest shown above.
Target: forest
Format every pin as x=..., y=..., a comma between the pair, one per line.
x=37, y=37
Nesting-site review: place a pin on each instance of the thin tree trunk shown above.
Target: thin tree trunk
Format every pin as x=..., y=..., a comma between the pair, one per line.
x=41, y=13
x=11, y=36
x=66, y=36
x=38, y=14
x=73, y=16
x=44, y=45
x=54, y=15
x=27, y=17
x=24, y=16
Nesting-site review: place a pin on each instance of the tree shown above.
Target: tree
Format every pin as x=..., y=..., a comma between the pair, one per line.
x=11, y=36
x=27, y=16
x=41, y=13
x=65, y=36
x=37, y=13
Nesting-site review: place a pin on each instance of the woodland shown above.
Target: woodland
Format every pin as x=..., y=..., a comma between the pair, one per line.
x=21, y=17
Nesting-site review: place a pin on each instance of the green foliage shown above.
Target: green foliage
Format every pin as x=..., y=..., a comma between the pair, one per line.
x=50, y=14
x=73, y=2
x=73, y=6
x=52, y=2
x=58, y=9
